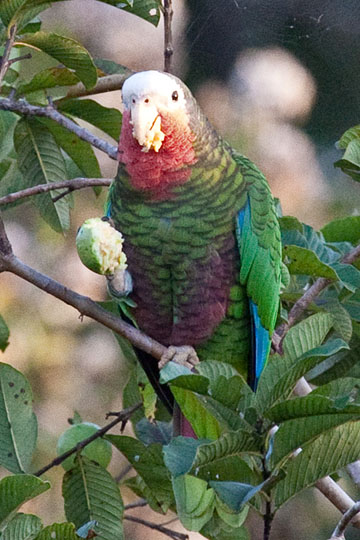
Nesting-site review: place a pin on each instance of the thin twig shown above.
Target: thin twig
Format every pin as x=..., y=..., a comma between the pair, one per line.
x=26, y=109
x=74, y=184
x=19, y=58
x=123, y=473
x=137, y=504
x=168, y=43
x=4, y=60
x=344, y=522
x=122, y=416
x=164, y=530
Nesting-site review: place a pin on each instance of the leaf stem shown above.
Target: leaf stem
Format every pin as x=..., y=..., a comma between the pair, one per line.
x=4, y=60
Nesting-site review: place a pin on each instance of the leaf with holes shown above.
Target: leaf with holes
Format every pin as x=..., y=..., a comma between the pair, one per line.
x=15, y=491
x=90, y=493
x=67, y=51
x=18, y=424
x=22, y=527
x=41, y=162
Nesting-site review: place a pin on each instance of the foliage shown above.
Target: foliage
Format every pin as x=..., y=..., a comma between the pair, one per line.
x=238, y=461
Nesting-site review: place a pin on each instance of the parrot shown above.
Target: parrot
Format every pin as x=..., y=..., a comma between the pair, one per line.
x=201, y=235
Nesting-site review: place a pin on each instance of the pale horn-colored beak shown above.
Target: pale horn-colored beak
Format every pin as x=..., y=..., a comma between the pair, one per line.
x=146, y=123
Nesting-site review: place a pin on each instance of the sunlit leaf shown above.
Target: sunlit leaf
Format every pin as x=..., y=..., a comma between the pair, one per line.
x=344, y=229
x=67, y=51
x=48, y=78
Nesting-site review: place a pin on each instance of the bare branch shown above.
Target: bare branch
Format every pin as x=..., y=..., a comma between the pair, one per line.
x=137, y=504
x=344, y=522
x=109, y=83
x=164, y=530
x=71, y=185
x=26, y=109
x=4, y=60
x=168, y=44
x=121, y=417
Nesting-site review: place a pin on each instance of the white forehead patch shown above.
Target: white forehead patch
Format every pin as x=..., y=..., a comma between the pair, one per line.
x=152, y=83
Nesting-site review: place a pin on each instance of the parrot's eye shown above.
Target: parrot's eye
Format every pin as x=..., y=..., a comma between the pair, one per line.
x=146, y=100
x=133, y=100
x=175, y=96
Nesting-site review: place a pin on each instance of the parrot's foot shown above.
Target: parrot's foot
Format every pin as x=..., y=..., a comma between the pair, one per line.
x=185, y=356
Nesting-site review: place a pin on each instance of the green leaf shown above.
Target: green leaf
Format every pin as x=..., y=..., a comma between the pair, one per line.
x=217, y=529
x=90, y=493
x=336, y=366
x=111, y=68
x=350, y=162
x=194, y=501
x=18, y=425
x=22, y=527
x=202, y=422
x=81, y=152
x=342, y=320
x=7, y=125
x=23, y=11
x=104, y=118
x=281, y=374
x=149, y=464
x=327, y=454
x=67, y=51
x=48, y=78
x=4, y=334
x=307, y=335
x=61, y=531
x=352, y=305
x=305, y=261
x=15, y=491
x=345, y=229
x=40, y=161
x=349, y=135
x=348, y=274
x=235, y=494
x=146, y=9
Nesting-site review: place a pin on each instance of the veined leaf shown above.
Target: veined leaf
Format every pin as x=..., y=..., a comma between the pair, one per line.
x=7, y=125
x=281, y=373
x=307, y=335
x=48, y=78
x=349, y=135
x=18, y=424
x=337, y=365
x=235, y=494
x=149, y=464
x=350, y=162
x=81, y=152
x=4, y=334
x=21, y=12
x=348, y=274
x=67, y=51
x=194, y=501
x=61, y=531
x=22, y=527
x=90, y=493
x=104, y=118
x=330, y=452
x=217, y=529
x=341, y=318
x=40, y=160
x=111, y=68
x=15, y=491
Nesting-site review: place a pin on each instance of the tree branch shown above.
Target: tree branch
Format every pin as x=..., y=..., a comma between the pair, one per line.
x=71, y=185
x=109, y=83
x=344, y=522
x=168, y=44
x=164, y=530
x=122, y=416
x=4, y=60
x=26, y=109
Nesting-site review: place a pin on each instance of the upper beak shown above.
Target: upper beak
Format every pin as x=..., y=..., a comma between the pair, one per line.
x=146, y=123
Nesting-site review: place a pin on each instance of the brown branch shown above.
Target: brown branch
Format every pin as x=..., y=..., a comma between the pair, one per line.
x=26, y=109
x=137, y=504
x=71, y=185
x=344, y=522
x=4, y=60
x=109, y=83
x=309, y=296
x=168, y=42
x=121, y=417
x=164, y=530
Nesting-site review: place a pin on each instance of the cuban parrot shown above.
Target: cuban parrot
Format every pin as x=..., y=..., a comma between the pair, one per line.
x=200, y=232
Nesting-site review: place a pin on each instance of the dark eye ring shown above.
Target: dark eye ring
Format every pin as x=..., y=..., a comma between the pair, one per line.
x=175, y=96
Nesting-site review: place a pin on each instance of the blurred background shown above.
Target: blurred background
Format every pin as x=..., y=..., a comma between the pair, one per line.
x=280, y=80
